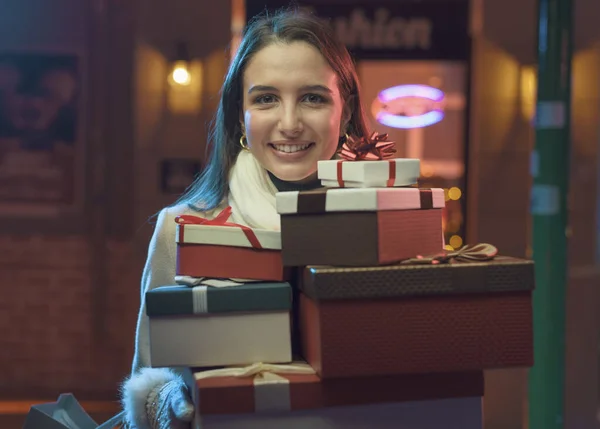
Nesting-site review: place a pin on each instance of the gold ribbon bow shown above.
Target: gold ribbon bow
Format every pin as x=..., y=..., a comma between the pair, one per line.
x=476, y=253
x=257, y=370
x=374, y=148
x=271, y=388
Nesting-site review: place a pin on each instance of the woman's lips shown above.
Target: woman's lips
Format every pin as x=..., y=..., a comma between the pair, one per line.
x=291, y=150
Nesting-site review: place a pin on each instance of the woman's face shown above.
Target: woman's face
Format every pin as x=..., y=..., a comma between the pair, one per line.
x=292, y=109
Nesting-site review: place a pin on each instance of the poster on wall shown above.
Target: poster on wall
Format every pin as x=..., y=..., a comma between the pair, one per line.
x=39, y=128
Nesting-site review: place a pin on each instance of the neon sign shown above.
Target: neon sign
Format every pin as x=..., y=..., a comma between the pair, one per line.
x=409, y=106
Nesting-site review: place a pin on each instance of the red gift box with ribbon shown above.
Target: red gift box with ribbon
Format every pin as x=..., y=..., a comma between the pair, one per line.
x=217, y=248
x=268, y=388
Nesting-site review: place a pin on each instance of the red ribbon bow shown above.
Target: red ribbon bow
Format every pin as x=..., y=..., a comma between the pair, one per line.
x=374, y=148
x=219, y=220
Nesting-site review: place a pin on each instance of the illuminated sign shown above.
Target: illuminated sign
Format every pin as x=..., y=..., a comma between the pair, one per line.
x=409, y=106
x=391, y=30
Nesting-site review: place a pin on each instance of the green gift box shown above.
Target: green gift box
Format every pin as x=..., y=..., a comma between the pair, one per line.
x=205, y=326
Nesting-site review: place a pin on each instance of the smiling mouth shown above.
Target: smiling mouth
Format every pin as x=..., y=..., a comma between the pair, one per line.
x=291, y=148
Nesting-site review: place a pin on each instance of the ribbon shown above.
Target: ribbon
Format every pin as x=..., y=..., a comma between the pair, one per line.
x=476, y=253
x=219, y=220
x=200, y=299
x=312, y=202
x=426, y=199
x=375, y=148
x=271, y=391
x=209, y=281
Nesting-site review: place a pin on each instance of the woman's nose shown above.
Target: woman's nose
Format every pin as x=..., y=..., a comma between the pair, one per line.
x=290, y=121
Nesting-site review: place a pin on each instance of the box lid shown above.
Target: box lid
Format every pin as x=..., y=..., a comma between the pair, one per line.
x=501, y=274
x=358, y=199
x=193, y=229
x=228, y=236
x=185, y=300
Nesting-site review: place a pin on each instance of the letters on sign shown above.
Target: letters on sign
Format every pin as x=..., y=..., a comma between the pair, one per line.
x=385, y=31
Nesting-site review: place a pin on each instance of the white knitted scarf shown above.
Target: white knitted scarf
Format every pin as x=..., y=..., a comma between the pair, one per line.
x=252, y=194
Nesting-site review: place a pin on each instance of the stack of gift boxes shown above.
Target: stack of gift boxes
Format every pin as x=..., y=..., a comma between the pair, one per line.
x=232, y=305
x=391, y=331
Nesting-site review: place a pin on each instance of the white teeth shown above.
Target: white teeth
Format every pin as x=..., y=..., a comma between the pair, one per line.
x=291, y=148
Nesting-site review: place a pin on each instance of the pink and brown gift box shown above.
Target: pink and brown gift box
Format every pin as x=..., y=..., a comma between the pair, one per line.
x=282, y=390
x=220, y=249
x=369, y=321
x=357, y=227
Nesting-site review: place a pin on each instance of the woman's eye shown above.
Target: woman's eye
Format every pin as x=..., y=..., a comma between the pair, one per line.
x=314, y=98
x=265, y=99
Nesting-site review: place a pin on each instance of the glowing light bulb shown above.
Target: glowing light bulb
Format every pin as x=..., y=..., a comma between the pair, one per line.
x=181, y=74
x=456, y=241
x=427, y=171
x=454, y=193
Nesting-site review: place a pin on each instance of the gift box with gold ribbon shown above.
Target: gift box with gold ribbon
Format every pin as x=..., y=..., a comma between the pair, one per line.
x=292, y=394
x=454, y=311
x=221, y=249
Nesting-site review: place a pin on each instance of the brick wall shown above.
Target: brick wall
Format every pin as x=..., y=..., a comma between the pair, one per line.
x=47, y=344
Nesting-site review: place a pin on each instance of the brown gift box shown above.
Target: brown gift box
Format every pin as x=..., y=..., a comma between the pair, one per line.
x=315, y=232
x=237, y=395
x=416, y=319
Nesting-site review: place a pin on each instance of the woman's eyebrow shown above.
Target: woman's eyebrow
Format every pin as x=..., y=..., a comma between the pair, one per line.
x=261, y=88
x=321, y=88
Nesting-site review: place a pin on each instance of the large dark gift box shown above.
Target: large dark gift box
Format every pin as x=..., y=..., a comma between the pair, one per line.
x=417, y=318
x=277, y=396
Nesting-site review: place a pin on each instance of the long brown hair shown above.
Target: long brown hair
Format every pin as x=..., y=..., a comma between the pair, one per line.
x=284, y=26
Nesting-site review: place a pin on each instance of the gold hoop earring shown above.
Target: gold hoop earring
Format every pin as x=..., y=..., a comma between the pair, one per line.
x=242, y=144
x=344, y=139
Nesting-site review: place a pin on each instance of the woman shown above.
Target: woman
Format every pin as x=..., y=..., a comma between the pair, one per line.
x=289, y=99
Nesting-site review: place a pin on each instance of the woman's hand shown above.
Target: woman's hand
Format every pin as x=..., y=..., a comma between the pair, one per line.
x=169, y=407
x=157, y=398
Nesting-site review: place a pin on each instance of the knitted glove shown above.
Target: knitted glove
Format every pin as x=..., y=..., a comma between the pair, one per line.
x=157, y=398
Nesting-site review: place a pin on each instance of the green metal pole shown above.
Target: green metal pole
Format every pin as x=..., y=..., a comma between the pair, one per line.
x=550, y=171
